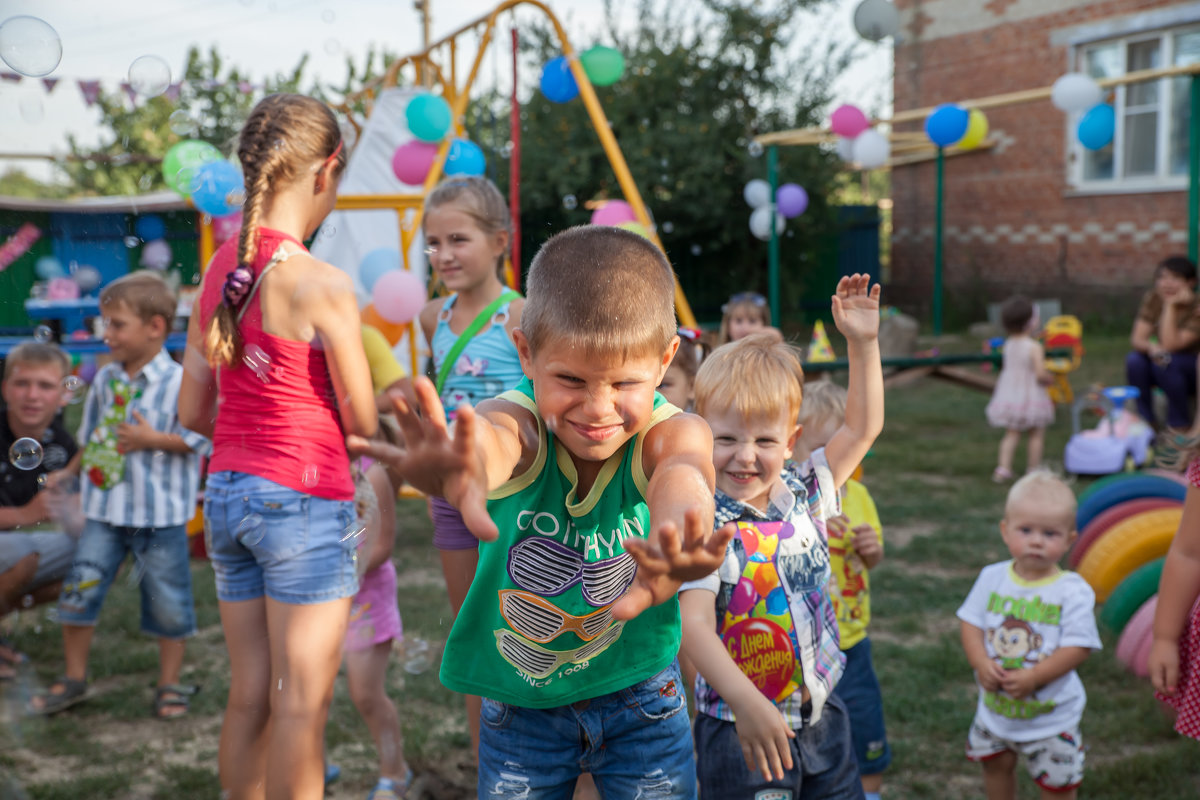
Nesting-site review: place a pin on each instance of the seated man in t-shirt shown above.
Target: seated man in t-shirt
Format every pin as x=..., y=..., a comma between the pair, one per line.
x=32, y=563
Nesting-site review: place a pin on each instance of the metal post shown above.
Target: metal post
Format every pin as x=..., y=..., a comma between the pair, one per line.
x=773, y=245
x=937, y=245
x=1193, y=227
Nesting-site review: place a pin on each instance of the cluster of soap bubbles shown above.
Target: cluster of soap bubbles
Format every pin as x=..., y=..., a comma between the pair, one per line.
x=25, y=453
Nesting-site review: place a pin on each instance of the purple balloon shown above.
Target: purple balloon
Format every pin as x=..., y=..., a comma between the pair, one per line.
x=744, y=598
x=786, y=531
x=791, y=200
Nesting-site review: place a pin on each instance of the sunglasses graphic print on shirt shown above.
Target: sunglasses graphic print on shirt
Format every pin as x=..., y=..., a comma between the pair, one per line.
x=542, y=568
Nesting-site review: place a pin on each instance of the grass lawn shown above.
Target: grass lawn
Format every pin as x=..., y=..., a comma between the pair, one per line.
x=930, y=476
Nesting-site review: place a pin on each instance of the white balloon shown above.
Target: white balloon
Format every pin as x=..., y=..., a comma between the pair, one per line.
x=872, y=149
x=87, y=278
x=845, y=148
x=156, y=255
x=760, y=223
x=876, y=19
x=1075, y=92
x=757, y=193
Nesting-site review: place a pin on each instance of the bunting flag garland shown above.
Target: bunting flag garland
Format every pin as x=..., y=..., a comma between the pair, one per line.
x=18, y=244
x=49, y=83
x=820, y=348
x=130, y=92
x=90, y=89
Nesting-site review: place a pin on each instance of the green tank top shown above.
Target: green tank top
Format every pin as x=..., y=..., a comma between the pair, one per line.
x=536, y=628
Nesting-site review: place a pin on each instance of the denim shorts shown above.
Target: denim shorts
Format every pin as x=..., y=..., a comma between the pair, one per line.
x=449, y=530
x=160, y=569
x=56, y=551
x=634, y=742
x=822, y=761
x=264, y=538
x=859, y=690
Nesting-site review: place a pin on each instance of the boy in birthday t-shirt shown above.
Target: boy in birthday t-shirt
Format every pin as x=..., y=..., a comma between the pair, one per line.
x=761, y=630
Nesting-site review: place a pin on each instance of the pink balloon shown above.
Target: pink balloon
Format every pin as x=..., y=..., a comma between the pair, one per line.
x=398, y=296
x=412, y=160
x=848, y=121
x=226, y=227
x=613, y=212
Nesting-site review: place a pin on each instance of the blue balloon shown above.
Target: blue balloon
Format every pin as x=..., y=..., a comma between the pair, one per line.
x=375, y=264
x=216, y=187
x=558, y=84
x=947, y=124
x=428, y=117
x=777, y=601
x=464, y=158
x=149, y=228
x=48, y=268
x=1097, y=127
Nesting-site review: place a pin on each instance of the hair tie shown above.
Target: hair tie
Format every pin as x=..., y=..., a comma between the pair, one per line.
x=333, y=155
x=237, y=285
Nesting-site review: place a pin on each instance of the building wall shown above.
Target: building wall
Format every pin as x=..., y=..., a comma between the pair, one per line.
x=1012, y=220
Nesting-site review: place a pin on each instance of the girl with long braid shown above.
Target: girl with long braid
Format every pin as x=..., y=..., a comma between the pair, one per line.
x=275, y=374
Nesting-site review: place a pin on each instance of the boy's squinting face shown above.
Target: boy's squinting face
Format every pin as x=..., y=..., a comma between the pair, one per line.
x=33, y=394
x=749, y=453
x=676, y=387
x=130, y=338
x=592, y=405
x=1037, y=535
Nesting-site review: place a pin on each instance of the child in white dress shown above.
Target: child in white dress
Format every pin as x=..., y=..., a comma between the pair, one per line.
x=1020, y=402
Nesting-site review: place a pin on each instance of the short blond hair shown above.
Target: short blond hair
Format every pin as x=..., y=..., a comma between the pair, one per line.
x=36, y=354
x=1050, y=490
x=755, y=376
x=824, y=402
x=603, y=291
x=145, y=293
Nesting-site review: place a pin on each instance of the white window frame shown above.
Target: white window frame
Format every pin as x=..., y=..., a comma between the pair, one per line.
x=1161, y=180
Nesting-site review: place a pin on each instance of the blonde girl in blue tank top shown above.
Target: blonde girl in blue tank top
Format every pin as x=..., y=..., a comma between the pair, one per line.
x=467, y=229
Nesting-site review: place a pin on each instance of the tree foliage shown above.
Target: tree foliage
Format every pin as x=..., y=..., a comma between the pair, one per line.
x=698, y=87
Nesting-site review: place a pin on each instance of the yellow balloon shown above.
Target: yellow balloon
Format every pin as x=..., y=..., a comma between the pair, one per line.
x=977, y=130
x=635, y=227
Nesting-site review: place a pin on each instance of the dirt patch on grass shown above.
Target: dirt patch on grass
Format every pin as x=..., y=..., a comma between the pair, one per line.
x=902, y=535
x=933, y=629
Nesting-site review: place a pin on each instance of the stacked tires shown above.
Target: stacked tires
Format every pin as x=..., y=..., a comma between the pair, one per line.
x=1126, y=523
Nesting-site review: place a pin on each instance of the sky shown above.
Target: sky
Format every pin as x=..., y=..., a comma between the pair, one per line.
x=101, y=40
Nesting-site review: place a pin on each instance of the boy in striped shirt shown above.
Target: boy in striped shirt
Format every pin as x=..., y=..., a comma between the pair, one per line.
x=140, y=475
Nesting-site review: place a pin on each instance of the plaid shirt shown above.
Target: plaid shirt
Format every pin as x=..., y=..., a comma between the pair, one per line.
x=805, y=496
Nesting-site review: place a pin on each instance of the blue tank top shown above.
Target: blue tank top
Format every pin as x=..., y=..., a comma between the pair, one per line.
x=487, y=366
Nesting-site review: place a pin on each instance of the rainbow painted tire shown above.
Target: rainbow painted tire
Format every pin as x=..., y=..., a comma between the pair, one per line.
x=1126, y=546
x=1133, y=648
x=1108, y=480
x=1109, y=517
x=1138, y=587
x=1130, y=488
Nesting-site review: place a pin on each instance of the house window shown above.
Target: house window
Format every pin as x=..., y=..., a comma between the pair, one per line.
x=1150, y=148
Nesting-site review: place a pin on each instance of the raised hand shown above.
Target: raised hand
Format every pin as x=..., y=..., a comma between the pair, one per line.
x=856, y=308
x=662, y=566
x=436, y=461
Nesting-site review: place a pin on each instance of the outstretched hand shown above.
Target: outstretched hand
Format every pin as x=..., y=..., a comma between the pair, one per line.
x=662, y=566
x=436, y=461
x=856, y=308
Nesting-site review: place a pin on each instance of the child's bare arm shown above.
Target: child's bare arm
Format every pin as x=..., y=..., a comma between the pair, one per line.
x=1177, y=591
x=481, y=454
x=761, y=729
x=1020, y=683
x=989, y=673
x=385, y=520
x=856, y=314
x=681, y=544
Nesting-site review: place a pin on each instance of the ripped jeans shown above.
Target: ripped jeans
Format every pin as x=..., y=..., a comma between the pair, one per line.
x=636, y=743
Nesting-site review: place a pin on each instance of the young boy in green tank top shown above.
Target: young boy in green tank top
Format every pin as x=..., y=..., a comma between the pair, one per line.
x=592, y=498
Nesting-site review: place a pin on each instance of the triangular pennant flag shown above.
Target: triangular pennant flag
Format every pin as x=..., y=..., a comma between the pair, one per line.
x=130, y=92
x=11, y=77
x=172, y=92
x=90, y=90
x=819, y=348
x=50, y=83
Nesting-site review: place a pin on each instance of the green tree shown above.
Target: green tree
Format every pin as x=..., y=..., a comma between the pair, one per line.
x=698, y=87
x=18, y=183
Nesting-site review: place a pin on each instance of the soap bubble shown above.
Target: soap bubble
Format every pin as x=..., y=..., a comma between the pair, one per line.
x=416, y=655
x=149, y=76
x=755, y=149
x=258, y=361
x=250, y=530
x=132, y=242
x=697, y=249
x=73, y=387
x=43, y=334
x=668, y=227
x=327, y=15
x=311, y=476
x=30, y=46
x=181, y=123
x=25, y=453
x=570, y=202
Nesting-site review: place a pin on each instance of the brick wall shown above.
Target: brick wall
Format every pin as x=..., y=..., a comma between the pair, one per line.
x=1011, y=222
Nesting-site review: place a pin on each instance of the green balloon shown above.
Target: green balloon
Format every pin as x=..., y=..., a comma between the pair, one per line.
x=181, y=161
x=603, y=65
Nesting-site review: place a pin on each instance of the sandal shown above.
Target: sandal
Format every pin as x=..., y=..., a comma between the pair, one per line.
x=1001, y=475
x=73, y=692
x=388, y=789
x=175, y=698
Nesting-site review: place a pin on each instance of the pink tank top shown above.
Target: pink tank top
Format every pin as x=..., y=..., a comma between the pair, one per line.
x=277, y=416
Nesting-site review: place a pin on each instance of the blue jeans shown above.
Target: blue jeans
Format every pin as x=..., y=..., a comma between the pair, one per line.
x=859, y=690
x=634, y=742
x=822, y=761
x=1177, y=379
x=264, y=538
x=160, y=568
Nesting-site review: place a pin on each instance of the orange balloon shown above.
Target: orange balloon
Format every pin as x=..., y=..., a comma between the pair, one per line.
x=390, y=330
